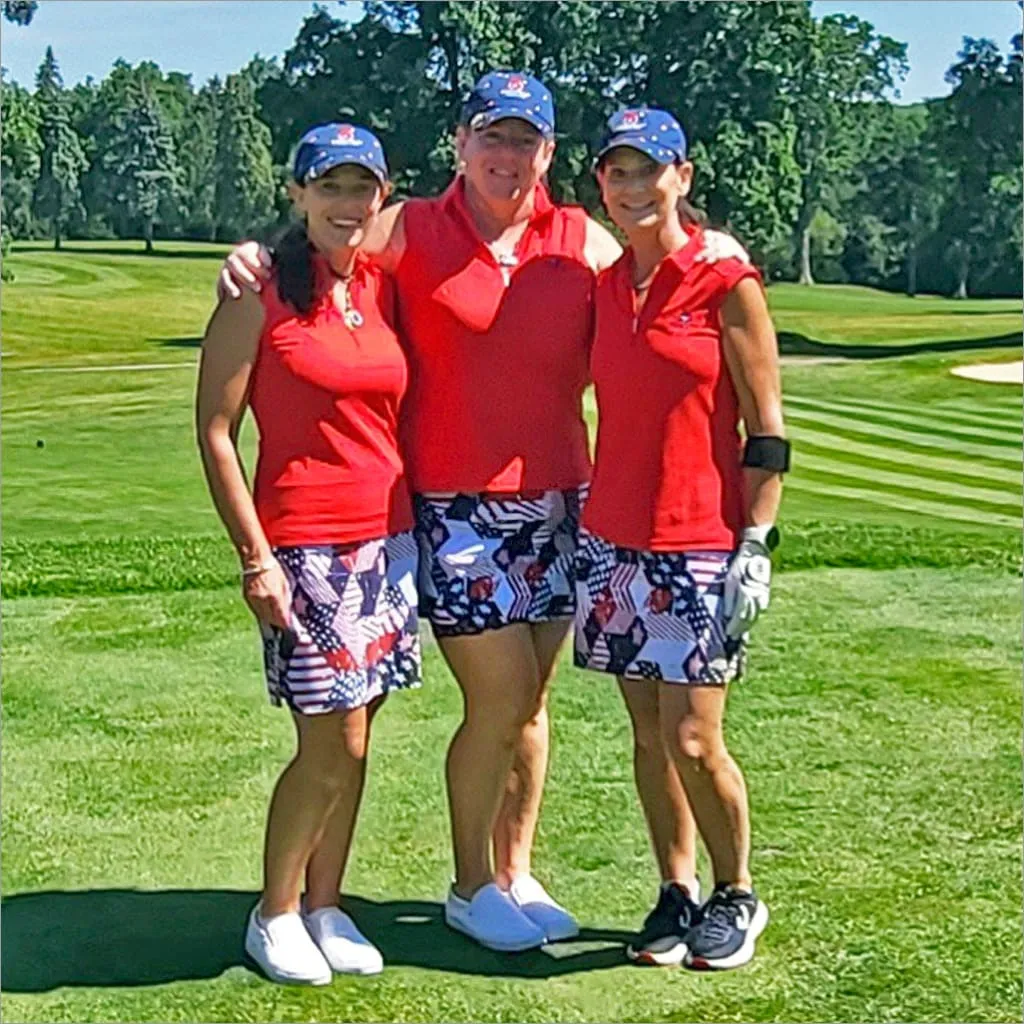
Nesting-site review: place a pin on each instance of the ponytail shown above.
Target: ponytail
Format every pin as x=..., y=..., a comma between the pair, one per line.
x=690, y=215
x=292, y=257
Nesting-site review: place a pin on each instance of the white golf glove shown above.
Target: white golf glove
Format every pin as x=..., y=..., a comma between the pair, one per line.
x=748, y=581
x=720, y=246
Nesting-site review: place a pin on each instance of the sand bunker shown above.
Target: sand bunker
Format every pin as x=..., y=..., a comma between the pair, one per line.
x=992, y=373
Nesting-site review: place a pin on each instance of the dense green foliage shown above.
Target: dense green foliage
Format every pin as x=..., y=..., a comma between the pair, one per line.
x=798, y=147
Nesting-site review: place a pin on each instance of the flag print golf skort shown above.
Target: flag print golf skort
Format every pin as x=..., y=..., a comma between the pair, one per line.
x=354, y=632
x=488, y=561
x=653, y=614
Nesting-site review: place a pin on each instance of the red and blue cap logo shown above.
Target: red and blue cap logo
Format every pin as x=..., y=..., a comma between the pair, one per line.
x=502, y=94
x=654, y=132
x=330, y=145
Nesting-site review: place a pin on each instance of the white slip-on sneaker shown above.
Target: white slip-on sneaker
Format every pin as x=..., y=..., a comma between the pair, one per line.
x=284, y=951
x=492, y=919
x=343, y=945
x=533, y=900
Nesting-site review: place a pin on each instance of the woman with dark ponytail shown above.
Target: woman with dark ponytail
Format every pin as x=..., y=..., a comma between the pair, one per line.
x=328, y=562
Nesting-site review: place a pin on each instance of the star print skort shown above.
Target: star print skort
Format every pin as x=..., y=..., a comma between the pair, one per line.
x=354, y=632
x=653, y=614
x=488, y=561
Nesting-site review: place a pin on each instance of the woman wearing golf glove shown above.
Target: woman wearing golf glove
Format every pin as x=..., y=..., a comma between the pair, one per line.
x=674, y=560
x=748, y=582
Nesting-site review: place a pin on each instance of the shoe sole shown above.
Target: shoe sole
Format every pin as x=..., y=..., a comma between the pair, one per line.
x=252, y=962
x=742, y=956
x=499, y=947
x=563, y=936
x=662, y=958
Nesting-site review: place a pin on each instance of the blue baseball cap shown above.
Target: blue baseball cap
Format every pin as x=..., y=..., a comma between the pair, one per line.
x=502, y=94
x=330, y=145
x=654, y=132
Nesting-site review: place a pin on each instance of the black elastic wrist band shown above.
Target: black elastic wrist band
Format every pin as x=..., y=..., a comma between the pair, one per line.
x=771, y=453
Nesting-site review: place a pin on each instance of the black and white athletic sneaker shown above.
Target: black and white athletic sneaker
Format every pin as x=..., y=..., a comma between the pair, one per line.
x=662, y=941
x=729, y=925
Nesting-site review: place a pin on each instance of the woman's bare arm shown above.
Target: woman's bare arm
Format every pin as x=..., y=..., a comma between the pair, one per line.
x=752, y=355
x=225, y=368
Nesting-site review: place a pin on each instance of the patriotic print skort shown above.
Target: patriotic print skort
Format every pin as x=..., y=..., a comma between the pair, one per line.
x=488, y=561
x=354, y=632
x=653, y=614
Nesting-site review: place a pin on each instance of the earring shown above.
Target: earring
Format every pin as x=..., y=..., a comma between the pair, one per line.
x=460, y=167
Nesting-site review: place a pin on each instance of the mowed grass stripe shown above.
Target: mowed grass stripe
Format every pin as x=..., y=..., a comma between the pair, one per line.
x=922, y=465
x=811, y=483
x=930, y=424
x=1009, y=419
x=1002, y=430
x=992, y=403
x=842, y=426
x=886, y=478
x=934, y=491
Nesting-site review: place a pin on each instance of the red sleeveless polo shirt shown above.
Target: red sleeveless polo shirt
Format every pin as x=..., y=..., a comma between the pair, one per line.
x=497, y=370
x=667, y=468
x=326, y=399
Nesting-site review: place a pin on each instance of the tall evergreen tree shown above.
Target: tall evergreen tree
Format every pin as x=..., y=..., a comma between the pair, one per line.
x=244, y=170
x=20, y=147
x=143, y=160
x=62, y=160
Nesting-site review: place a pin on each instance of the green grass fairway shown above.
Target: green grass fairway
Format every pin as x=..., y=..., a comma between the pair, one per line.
x=879, y=729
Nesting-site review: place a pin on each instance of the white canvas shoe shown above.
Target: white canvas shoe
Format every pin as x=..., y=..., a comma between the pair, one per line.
x=284, y=951
x=492, y=919
x=343, y=945
x=533, y=900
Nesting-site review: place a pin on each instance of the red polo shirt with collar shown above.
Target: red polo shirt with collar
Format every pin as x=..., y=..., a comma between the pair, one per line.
x=498, y=356
x=667, y=470
x=326, y=397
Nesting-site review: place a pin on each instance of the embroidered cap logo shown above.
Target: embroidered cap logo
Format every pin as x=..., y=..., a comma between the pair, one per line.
x=631, y=119
x=346, y=136
x=516, y=86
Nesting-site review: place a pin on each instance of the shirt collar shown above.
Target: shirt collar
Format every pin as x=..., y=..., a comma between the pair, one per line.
x=679, y=263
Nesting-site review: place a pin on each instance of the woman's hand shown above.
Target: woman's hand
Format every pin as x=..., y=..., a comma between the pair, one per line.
x=247, y=266
x=269, y=596
x=718, y=245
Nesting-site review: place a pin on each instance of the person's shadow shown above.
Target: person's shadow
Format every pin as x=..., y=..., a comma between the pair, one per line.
x=127, y=937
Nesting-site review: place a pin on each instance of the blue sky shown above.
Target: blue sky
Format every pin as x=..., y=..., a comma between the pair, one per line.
x=215, y=37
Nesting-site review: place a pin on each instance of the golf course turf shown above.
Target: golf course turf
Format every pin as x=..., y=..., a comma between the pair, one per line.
x=879, y=727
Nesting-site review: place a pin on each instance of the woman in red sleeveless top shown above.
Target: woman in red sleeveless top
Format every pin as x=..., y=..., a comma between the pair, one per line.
x=494, y=292
x=674, y=558
x=328, y=557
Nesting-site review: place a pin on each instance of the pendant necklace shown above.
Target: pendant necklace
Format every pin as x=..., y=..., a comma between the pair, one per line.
x=506, y=261
x=352, y=317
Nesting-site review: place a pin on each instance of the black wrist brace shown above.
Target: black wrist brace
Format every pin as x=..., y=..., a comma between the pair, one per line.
x=771, y=453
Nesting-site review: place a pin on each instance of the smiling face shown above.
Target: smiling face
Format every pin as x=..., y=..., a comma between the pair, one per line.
x=340, y=206
x=638, y=192
x=505, y=160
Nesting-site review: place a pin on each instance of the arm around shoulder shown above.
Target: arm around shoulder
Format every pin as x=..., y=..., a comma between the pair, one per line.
x=600, y=249
x=385, y=241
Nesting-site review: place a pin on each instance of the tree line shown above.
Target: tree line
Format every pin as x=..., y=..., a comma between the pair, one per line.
x=798, y=148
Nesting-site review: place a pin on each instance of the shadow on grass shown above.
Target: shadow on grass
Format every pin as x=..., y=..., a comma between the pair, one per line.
x=191, y=342
x=128, y=937
x=162, y=249
x=791, y=344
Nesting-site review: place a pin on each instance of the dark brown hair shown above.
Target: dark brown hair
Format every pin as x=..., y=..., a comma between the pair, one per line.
x=292, y=257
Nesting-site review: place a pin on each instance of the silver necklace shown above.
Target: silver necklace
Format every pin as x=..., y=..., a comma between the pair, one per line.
x=352, y=317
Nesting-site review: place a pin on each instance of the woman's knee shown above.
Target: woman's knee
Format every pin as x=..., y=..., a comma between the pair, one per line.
x=699, y=742
x=332, y=748
x=505, y=717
